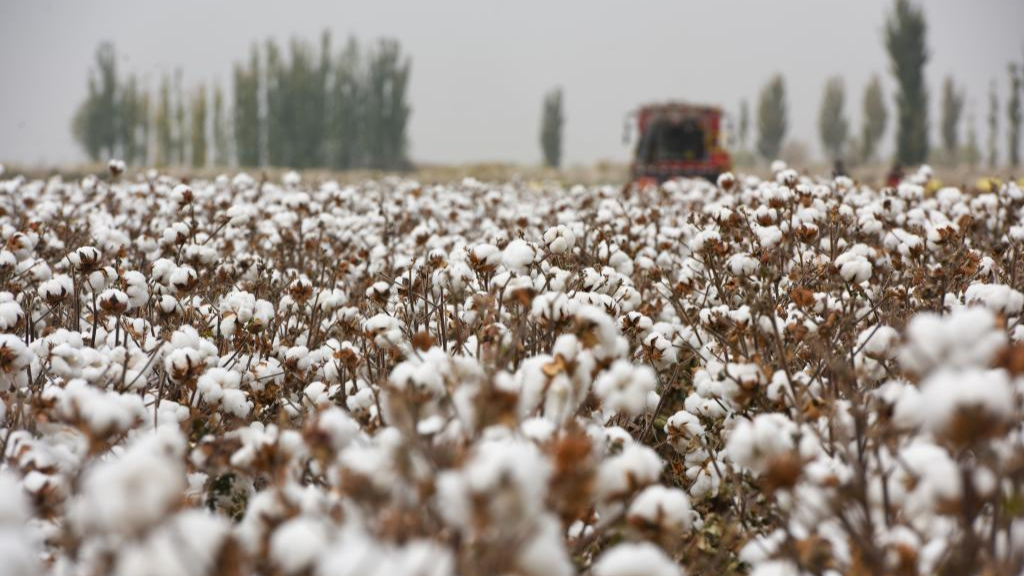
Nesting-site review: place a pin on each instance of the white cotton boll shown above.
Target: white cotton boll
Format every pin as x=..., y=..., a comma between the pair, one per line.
x=19, y=554
x=240, y=215
x=705, y=479
x=296, y=544
x=874, y=346
x=176, y=234
x=127, y=494
x=182, y=195
x=767, y=236
x=183, y=279
x=298, y=358
x=879, y=342
x=702, y=238
x=681, y=428
x=15, y=509
x=507, y=478
x=113, y=301
x=263, y=313
x=14, y=358
x=103, y=412
x=162, y=270
x=137, y=289
x=518, y=256
x=539, y=430
x=600, y=333
x=385, y=330
x=85, y=258
x=316, y=394
x=998, y=298
x=926, y=480
x=544, y=552
x=742, y=264
x=337, y=426
x=421, y=376
x=754, y=444
x=11, y=315
x=636, y=559
x=621, y=262
x=624, y=387
x=379, y=290
x=168, y=304
x=668, y=509
x=236, y=403
x=100, y=279
x=853, y=267
x=56, y=289
x=726, y=180
x=291, y=179
x=486, y=255
x=159, y=552
x=632, y=469
x=952, y=398
x=559, y=239
x=183, y=363
x=355, y=554
x=964, y=338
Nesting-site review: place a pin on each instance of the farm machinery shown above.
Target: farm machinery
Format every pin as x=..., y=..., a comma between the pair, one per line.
x=678, y=140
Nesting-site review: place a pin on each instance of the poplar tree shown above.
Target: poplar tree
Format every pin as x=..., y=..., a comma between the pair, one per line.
x=905, y=39
x=551, y=124
x=771, y=118
x=832, y=123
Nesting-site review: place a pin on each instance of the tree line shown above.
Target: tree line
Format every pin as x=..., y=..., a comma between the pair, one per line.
x=309, y=107
x=905, y=41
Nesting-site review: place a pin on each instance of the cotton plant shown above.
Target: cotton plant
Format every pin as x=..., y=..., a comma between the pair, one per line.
x=792, y=375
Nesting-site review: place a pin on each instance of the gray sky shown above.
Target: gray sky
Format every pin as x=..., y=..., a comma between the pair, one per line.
x=480, y=67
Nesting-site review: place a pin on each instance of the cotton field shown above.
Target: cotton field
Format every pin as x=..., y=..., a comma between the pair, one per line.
x=792, y=376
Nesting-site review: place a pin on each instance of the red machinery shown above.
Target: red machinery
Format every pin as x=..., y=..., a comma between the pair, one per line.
x=679, y=140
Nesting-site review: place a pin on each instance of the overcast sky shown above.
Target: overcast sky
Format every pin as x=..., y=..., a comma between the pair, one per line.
x=481, y=67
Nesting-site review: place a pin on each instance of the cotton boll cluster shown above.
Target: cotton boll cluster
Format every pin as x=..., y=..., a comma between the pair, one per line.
x=967, y=338
x=624, y=388
x=797, y=375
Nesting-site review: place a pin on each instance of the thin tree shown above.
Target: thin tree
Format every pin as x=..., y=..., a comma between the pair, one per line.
x=1013, y=112
x=180, y=121
x=832, y=124
x=221, y=143
x=144, y=126
x=84, y=123
x=744, y=127
x=248, y=127
x=385, y=109
x=993, y=126
x=952, y=108
x=396, y=108
x=164, y=134
x=771, y=118
x=198, y=131
x=905, y=39
x=875, y=118
x=346, y=97
x=128, y=112
x=971, y=152
x=96, y=125
x=276, y=97
x=551, y=124
x=319, y=121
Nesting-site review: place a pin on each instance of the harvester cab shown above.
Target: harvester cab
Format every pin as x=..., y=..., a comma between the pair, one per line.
x=678, y=140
